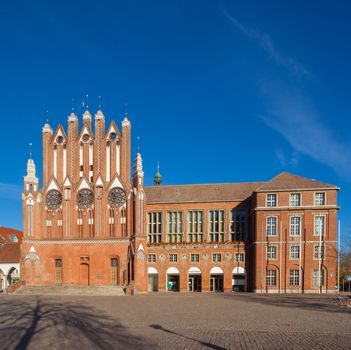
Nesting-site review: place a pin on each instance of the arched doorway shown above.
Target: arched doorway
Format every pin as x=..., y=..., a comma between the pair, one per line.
x=172, y=279
x=238, y=280
x=114, y=272
x=216, y=279
x=194, y=280
x=152, y=279
x=13, y=276
x=2, y=281
x=84, y=274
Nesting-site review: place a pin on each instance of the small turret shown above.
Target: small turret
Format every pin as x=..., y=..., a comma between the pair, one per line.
x=158, y=176
x=138, y=174
x=30, y=180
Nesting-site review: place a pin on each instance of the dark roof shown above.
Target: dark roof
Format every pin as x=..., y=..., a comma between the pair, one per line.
x=10, y=253
x=287, y=181
x=200, y=193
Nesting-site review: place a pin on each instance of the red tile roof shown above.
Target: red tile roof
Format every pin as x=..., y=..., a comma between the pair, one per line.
x=229, y=191
x=287, y=181
x=200, y=193
x=9, y=251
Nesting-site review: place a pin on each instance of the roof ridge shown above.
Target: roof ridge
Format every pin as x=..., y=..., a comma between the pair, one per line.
x=209, y=184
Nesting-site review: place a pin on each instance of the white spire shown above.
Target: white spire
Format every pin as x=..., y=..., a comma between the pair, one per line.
x=72, y=117
x=86, y=116
x=138, y=165
x=99, y=115
x=31, y=172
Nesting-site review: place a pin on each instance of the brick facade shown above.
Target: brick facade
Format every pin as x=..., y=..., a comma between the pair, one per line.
x=92, y=223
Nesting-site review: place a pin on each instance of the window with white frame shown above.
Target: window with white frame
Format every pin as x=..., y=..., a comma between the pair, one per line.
x=154, y=227
x=216, y=257
x=294, y=278
x=272, y=252
x=195, y=226
x=174, y=226
x=271, y=200
x=216, y=225
x=173, y=258
x=271, y=226
x=319, y=225
x=151, y=258
x=294, y=252
x=295, y=199
x=238, y=225
x=318, y=251
x=295, y=225
x=239, y=257
x=271, y=277
x=318, y=278
x=194, y=257
x=319, y=198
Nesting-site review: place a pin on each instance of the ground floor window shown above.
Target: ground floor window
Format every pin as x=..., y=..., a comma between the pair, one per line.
x=216, y=283
x=238, y=283
x=318, y=278
x=271, y=278
x=173, y=283
x=294, y=278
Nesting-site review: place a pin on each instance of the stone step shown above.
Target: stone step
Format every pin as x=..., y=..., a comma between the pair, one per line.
x=71, y=290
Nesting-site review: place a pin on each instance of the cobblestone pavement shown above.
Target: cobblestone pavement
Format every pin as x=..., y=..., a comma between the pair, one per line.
x=173, y=321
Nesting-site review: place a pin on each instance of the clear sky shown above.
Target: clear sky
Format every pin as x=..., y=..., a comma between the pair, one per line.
x=218, y=91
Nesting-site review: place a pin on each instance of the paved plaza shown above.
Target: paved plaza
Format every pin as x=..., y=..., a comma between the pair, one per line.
x=173, y=321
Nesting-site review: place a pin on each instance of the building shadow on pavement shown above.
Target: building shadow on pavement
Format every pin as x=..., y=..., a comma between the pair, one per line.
x=45, y=323
x=307, y=302
x=209, y=345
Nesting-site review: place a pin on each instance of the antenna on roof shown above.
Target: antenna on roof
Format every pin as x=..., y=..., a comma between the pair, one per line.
x=138, y=144
x=126, y=109
x=99, y=103
x=87, y=99
x=47, y=116
x=30, y=150
x=72, y=105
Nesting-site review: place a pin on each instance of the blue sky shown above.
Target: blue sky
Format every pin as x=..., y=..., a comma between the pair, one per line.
x=218, y=91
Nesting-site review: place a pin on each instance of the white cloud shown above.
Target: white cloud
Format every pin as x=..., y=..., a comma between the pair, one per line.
x=294, y=117
x=265, y=41
x=287, y=161
x=10, y=191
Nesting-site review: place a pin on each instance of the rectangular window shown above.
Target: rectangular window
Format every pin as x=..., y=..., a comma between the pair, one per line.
x=294, y=252
x=151, y=258
x=319, y=225
x=294, y=278
x=216, y=257
x=271, y=278
x=238, y=225
x=295, y=225
x=271, y=200
x=195, y=232
x=272, y=252
x=216, y=225
x=295, y=199
x=319, y=198
x=154, y=227
x=318, y=252
x=271, y=226
x=318, y=278
x=173, y=258
x=174, y=226
x=239, y=257
x=195, y=257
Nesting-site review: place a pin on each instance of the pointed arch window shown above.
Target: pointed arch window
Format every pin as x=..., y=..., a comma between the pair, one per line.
x=49, y=223
x=59, y=222
x=123, y=222
x=80, y=223
x=111, y=221
x=91, y=222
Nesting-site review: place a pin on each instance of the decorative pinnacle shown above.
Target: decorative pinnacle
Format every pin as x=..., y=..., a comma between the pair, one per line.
x=138, y=144
x=126, y=109
x=72, y=105
x=158, y=166
x=87, y=100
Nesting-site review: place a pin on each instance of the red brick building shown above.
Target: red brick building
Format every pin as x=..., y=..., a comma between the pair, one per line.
x=93, y=222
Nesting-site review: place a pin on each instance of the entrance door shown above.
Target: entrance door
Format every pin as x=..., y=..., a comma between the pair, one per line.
x=58, y=271
x=152, y=282
x=173, y=283
x=84, y=274
x=114, y=271
x=194, y=283
x=216, y=283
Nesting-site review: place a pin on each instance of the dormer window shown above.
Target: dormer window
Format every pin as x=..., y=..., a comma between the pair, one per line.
x=319, y=198
x=13, y=238
x=271, y=200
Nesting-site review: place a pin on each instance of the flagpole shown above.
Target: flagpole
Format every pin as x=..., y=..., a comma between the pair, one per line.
x=339, y=256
